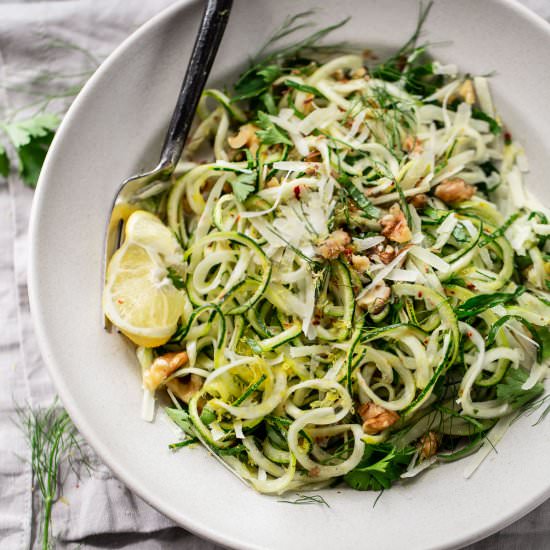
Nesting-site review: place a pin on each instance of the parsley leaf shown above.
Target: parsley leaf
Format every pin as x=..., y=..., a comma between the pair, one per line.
x=304, y=88
x=31, y=139
x=4, y=163
x=477, y=304
x=176, y=278
x=182, y=419
x=255, y=81
x=494, y=126
x=369, y=210
x=243, y=185
x=510, y=389
x=379, y=468
x=270, y=134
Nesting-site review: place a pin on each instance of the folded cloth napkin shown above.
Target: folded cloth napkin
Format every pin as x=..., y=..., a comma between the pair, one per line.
x=47, y=51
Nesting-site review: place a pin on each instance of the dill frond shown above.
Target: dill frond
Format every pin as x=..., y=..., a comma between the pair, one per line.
x=307, y=499
x=53, y=441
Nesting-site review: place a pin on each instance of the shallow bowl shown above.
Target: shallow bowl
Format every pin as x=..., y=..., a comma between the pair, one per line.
x=115, y=129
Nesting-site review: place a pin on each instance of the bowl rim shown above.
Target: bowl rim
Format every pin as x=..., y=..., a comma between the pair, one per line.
x=39, y=315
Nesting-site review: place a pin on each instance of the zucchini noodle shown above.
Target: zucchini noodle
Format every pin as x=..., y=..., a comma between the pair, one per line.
x=364, y=274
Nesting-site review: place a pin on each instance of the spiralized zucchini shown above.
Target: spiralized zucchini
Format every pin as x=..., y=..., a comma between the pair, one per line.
x=367, y=280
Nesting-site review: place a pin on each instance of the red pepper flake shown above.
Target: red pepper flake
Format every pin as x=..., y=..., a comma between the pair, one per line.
x=471, y=286
x=420, y=294
x=348, y=252
x=469, y=334
x=507, y=138
x=119, y=301
x=297, y=192
x=316, y=321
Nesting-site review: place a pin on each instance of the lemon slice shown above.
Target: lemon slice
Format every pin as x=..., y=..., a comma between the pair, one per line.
x=138, y=297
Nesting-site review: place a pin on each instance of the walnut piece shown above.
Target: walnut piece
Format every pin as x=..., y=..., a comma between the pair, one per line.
x=246, y=136
x=360, y=263
x=185, y=390
x=375, y=300
x=376, y=418
x=419, y=201
x=454, y=190
x=428, y=445
x=359, y=73
x=466, y=92
x=412, y=145
x=162, y=367
x=394, y=225
x=386, y=253
x=334, y=245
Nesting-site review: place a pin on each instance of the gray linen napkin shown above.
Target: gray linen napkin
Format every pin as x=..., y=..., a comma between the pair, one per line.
x=47, y=50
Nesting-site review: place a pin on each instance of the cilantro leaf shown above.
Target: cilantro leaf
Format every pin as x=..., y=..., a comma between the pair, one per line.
x=4, y=163
x=243, y=185
x=270, y=134
x=510, y=389
x=176, y=278
x=379, y=468
x=31, y=139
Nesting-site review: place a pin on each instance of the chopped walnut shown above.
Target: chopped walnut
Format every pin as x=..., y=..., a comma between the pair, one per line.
x=428, y=445
x=394, y=225
x=419, y=201
x=376, y=418
x=185, y=390
x=162, y=367
x=334, y=245
x=313, y=156
x=386, y=253
x=375, y=300
x=454, y=190
x=339, y=74
x=412, y=145
x=466, y=92
x=246, y=136
x=315, y=471
x=359, y=73
x=360, y=263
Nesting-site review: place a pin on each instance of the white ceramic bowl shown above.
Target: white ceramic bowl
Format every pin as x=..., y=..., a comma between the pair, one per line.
x=115, y=128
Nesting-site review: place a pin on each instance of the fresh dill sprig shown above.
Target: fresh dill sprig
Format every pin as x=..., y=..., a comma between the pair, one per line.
x=53, y=442
x=307, y=499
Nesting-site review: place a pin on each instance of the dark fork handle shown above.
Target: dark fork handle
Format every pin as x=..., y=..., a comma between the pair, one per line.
x=214, y=21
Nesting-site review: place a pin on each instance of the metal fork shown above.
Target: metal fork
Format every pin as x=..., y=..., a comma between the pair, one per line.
x=142, y=186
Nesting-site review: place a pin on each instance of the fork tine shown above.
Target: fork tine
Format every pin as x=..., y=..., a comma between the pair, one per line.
x=113, y=240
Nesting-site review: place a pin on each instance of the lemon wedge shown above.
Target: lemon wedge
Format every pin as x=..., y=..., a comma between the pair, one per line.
x=139, y=298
